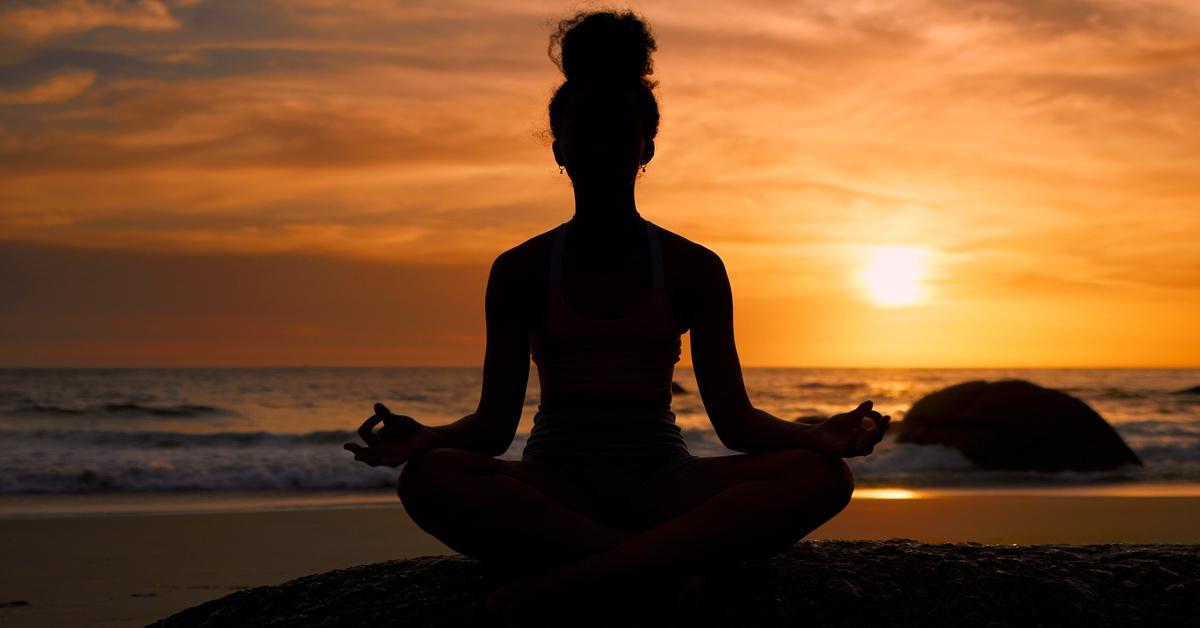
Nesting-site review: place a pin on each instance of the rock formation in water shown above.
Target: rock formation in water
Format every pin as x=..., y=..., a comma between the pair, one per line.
x=1016, y=425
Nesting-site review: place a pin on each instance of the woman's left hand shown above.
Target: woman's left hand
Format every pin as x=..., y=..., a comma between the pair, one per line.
x=851, y=434
x=400, y=439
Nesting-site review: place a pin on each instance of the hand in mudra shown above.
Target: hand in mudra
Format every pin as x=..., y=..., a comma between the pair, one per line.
x=851, y=434
x=400, y=438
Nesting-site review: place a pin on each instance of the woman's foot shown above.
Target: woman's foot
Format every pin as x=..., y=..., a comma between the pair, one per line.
x=690, y=595
x=526, y=600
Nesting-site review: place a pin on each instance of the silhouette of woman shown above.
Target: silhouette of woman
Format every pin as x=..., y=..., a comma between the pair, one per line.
x=606, y=491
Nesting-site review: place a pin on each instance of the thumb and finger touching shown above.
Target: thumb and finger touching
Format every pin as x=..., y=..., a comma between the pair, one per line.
x=863, y=410
x=871, y=427
x=367, y=433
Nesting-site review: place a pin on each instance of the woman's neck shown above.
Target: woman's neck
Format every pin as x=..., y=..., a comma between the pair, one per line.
x=608, y=211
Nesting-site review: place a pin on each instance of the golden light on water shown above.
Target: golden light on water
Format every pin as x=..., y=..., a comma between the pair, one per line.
x=884, y=493
x=892, y=275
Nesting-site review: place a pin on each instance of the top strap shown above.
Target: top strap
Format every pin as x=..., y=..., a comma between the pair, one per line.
x=560, y=234
x=656, y=257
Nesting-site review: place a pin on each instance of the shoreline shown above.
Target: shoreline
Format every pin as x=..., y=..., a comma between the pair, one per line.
x=50, y=505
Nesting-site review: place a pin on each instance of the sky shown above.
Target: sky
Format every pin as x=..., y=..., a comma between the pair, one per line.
x=931, y=183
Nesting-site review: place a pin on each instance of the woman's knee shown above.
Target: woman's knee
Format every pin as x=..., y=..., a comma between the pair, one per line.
x=826, y=477
x=843, y=483
x=426, y=473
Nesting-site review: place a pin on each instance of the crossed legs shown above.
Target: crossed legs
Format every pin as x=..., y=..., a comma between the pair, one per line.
x=707, y=511
x=501, y=512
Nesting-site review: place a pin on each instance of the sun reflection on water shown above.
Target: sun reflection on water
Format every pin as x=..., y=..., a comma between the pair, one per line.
x=884, y=493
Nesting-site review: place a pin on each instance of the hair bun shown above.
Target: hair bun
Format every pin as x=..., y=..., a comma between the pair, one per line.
x=604, y=45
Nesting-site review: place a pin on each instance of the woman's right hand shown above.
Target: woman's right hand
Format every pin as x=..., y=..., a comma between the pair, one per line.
x=400, y=439
x=851, y=434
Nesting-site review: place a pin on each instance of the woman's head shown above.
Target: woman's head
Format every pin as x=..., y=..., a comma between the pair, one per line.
x=604, y=116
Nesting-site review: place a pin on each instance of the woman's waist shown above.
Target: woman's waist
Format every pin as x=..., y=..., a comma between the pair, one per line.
x=603, y=459
x=657, y=400
x=592, y=441
x=605, y=428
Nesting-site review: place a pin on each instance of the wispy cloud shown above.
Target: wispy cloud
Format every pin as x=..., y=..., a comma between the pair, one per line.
x=55, y=89
x=36, y=21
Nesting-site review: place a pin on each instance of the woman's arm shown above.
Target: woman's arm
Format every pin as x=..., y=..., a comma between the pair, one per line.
x=739, y=425
x=491, y=428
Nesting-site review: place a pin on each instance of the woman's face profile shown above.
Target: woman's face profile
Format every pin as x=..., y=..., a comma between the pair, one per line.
x=603, y=138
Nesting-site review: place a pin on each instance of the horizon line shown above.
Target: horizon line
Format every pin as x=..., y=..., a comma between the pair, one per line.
x=480, y=367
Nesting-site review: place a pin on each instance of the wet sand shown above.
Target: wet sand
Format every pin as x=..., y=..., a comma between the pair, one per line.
x=133, y=559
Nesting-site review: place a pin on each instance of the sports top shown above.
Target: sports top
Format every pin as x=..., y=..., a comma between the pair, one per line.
x=605, y=383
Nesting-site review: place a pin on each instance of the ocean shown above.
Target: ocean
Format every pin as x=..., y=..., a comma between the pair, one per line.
x=73, y=431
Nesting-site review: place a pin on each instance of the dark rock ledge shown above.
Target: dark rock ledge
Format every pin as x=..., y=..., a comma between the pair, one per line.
x=816, y=583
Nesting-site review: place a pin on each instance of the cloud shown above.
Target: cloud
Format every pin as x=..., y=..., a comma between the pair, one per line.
x=1030, y=142
x=56, y=89
x=36, y=21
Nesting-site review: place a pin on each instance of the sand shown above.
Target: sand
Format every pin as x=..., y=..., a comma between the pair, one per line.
x=105, y=569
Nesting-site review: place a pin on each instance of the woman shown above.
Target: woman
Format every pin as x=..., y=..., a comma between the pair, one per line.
x=606, y=490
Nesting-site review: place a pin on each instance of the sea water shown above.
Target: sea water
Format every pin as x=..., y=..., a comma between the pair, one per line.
x=70, y=431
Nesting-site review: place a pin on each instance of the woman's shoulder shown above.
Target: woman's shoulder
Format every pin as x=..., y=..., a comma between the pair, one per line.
x=686, y=253
x=521, y=259
x=678, y=252
x=693, y=272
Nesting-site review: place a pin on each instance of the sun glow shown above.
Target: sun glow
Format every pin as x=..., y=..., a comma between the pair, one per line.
x=892, y=275
x=884, y=493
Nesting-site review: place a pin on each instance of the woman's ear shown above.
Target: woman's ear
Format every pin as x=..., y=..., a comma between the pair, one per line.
x=557, y=150
x=647, y=152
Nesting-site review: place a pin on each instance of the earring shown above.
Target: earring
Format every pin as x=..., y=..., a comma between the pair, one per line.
x=643, y=167
x=560, y=170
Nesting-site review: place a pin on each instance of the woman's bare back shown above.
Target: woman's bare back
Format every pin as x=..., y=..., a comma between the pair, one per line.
x=612, y=283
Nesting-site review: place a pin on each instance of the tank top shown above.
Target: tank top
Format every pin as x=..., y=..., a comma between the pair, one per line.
x=605, y=383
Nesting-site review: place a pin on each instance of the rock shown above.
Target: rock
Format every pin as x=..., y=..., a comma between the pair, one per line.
x=1016, y=425
x=844, y=588
x=678, y=389
x=866, y=583
x=1194, y=390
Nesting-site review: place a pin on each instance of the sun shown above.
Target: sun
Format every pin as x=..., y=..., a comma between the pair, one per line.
x=892, y=275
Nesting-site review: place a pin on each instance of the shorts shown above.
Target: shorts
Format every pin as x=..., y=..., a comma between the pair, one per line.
x=610, y=484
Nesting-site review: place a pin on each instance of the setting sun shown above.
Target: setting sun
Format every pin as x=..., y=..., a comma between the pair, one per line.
x=892, y=275
x=222, y=197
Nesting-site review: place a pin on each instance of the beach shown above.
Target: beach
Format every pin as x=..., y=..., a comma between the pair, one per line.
x=128, y=495
x=105, y=560
x=737, y=258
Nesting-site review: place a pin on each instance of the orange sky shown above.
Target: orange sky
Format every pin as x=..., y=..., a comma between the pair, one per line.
x=324, y=182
